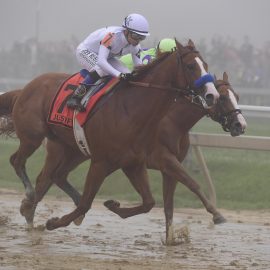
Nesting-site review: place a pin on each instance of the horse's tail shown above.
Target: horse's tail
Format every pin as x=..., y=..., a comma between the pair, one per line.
x=7, y=102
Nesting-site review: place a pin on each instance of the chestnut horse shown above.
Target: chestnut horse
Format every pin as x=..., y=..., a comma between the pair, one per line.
x=120, y=134
x=171, y=144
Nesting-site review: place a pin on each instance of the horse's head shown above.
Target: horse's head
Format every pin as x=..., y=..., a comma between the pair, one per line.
x=181, y=70
x=196, y=74
x=227, y=111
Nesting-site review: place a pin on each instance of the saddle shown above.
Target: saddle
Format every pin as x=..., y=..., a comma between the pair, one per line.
x=61, y=115
x=92, y=89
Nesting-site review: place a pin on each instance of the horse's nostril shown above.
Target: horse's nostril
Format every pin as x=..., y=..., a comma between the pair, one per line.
x=238, y=124
x=209, y=99
x=237, y=129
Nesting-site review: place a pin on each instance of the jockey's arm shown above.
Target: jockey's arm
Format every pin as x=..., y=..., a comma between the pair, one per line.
x=136, y=58
x=103, y=62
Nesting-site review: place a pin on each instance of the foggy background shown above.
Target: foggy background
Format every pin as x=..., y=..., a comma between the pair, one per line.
x=41, y=36
x=61, y=19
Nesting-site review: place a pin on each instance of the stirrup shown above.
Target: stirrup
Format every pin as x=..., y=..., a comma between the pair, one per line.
x=75, y=104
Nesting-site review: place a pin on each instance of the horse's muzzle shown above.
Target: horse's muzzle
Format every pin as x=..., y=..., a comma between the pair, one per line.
x=237, y=129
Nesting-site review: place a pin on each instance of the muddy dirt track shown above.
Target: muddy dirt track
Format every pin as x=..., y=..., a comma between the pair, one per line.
x=105, y=241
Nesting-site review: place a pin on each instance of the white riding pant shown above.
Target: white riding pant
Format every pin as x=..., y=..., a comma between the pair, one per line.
x=86, y=59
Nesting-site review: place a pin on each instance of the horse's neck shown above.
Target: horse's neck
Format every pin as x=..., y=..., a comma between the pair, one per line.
x=138, y=111
x=147, y=106
x=158, y=99
x=149, y=103
x=164, y=73
x=185, y=115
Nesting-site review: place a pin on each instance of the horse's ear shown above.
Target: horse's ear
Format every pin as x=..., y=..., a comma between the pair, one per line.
x=225, y=76
x=178, y=45
x=191, y=43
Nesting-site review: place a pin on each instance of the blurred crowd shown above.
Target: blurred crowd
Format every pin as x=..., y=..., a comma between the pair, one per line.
x=247, y=65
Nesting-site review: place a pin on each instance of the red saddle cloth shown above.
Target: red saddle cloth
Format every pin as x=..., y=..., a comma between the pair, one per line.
x=61, y=115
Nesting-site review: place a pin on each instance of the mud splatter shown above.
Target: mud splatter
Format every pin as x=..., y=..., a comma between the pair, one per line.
x=105, y=241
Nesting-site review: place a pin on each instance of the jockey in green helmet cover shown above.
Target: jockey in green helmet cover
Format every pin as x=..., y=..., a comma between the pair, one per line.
x=146, y=55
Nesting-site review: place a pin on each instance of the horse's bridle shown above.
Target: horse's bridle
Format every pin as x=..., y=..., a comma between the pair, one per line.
x=225, y=119
x=189, y=91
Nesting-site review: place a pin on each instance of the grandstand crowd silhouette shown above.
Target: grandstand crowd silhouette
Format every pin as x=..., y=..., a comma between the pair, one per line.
x=247, y=65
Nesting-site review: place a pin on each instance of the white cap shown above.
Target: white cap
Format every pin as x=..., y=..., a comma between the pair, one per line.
x=137, y=23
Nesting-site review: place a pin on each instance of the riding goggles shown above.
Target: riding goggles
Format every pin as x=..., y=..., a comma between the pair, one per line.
x=136, y=36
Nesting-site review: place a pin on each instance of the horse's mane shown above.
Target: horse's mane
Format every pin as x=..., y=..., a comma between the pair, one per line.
x=139, y=71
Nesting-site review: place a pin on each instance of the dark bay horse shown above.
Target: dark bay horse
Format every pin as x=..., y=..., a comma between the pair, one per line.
x=120, y=134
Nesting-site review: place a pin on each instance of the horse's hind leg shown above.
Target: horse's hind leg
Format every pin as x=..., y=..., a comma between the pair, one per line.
x=59, y=162
x=95, y=177
x=18, y=161
x=138, y=177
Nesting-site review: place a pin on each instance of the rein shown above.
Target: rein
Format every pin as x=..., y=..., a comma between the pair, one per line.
x=185, y=92
x=188, y=92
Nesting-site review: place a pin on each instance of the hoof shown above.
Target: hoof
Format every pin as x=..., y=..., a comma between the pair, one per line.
x=26, y=206
x=178, y=236
x=29, y=227
x=219, y=219
x=112, y=204
x=51, y=224
x=27, y=210
x=78, y=221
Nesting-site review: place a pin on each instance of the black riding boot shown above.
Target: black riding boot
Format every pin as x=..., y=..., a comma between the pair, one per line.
x=74, y=102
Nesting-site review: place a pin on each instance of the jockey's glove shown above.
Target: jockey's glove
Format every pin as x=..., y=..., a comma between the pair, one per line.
x=125, y=76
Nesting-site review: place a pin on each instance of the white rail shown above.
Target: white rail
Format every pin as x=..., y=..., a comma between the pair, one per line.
x=255, y=108
x=223, y=141
x=226, y=141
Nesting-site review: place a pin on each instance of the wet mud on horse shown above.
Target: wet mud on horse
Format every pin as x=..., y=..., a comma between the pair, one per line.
x=120, y=134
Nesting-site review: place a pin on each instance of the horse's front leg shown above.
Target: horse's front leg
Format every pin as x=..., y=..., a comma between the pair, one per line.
x=137, y=174
x=175, y=170
x=95, y=177
x=169, y=186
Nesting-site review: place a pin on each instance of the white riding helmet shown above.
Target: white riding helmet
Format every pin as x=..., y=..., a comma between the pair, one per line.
x=136, y=23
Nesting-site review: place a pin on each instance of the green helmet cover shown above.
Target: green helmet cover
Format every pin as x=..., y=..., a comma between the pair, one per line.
x=166, y=45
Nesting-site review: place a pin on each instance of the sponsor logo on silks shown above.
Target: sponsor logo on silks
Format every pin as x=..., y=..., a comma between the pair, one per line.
x=90, y=57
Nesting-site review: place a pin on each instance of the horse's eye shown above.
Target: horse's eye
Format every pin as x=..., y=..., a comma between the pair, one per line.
x=191, y=67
